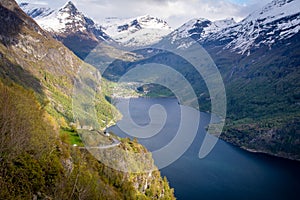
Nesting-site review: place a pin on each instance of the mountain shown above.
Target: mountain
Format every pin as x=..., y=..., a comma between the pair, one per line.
x=38, y=160
x=68, y=25
x=259, y=62
x=275, y=22
x=81, y=34
x=140, y=31
x=199, y=29
x=31, y=57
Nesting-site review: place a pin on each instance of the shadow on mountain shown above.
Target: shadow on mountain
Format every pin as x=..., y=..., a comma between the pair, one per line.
x=79, y=45
x=11, y=25
x=12, y=20
x=10, y=72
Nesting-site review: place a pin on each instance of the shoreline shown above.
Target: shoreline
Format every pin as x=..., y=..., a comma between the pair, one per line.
x=265, y=153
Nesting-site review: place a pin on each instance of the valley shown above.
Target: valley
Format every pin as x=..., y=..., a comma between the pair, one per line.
x=88, y=108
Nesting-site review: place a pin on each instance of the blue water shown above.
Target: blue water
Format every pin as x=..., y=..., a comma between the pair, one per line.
x=226, y=173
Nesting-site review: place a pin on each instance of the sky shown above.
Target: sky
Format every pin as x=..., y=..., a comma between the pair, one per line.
x=175, y=12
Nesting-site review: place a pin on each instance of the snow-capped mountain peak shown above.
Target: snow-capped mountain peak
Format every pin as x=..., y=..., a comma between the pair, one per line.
x=68, y=25
x=115, y=26
x=140, y=31
x=148, y=21
x=200, y=28
x=276, y=21
x=65, y=20
x=70, y=8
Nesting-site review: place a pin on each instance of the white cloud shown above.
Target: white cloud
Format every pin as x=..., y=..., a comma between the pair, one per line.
x=175, y=12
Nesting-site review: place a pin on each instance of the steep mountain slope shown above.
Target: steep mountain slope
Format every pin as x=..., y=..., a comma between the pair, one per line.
x=37, y=164
x=259, y=61
x=36, y=161
x=140, y=31
x=78, y=32
x=26, y=48
x=34, y=59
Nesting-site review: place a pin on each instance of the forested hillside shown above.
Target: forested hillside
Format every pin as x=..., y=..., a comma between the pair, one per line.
x=37, y=157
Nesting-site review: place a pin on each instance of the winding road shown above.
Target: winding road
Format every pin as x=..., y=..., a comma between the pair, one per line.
x=114, y=144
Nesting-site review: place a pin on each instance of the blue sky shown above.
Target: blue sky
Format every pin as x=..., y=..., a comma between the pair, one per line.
x=175, y=12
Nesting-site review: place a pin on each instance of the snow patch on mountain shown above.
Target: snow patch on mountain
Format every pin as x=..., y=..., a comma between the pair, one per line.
x=36, y=10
